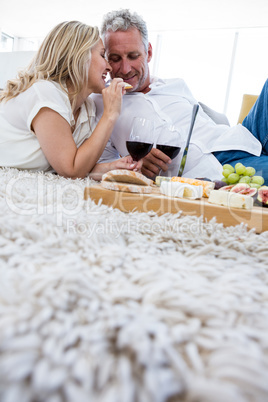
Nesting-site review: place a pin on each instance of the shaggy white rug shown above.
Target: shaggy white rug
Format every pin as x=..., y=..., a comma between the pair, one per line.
x=97, y=305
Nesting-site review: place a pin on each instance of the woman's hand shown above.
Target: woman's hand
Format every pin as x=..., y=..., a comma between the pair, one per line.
x=126, y=163
x=112, y=98
x=122, y=163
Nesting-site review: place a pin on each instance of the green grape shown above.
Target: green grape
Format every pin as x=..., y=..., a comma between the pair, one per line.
x=233, y=178
x=250, y=171
x=224, y=179
x=258, y=180
x=229, y=167
x=245, y=179
x=240, y=169
x=238, y=164
x=226, y=172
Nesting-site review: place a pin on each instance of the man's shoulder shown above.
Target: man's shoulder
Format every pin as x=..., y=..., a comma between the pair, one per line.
x=156, y=81
x=97, y=99
x=171, y=86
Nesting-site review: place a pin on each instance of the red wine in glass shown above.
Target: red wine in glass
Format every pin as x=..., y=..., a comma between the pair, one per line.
x=141, y=140
x=170, y=143
x=138, y=150
x=169, y=150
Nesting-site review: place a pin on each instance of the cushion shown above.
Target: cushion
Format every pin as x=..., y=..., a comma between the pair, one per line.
x=218, y=118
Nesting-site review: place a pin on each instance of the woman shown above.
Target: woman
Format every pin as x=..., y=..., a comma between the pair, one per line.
x=47, y=121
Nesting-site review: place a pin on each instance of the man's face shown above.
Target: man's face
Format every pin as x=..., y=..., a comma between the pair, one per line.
x=128, y=59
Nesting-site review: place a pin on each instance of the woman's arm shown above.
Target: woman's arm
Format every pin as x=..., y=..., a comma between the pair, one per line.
x=55, y=136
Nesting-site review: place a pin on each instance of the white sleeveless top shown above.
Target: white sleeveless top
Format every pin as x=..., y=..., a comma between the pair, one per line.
x=19, y=146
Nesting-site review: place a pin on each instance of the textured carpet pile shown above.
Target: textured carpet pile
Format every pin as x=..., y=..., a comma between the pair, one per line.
x=98, y=305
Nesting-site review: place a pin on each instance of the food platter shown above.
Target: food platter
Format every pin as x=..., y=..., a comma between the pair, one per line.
x=256, y=218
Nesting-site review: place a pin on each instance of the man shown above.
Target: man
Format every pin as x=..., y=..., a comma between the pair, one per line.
x=167, y=101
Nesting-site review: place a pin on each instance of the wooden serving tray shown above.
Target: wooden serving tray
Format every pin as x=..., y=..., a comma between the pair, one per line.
x=127, y=202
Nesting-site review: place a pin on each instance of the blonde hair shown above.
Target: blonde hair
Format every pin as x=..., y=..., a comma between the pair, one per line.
x=64, y=56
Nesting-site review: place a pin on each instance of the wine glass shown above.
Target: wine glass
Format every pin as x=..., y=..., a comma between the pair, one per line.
x=141, y=138
x=169, y=142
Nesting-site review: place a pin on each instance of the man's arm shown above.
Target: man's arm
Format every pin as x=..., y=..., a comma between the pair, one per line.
x=109, y=154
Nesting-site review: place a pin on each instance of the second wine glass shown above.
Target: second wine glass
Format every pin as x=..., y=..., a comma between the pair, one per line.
x=169, y=142
x=141, y=138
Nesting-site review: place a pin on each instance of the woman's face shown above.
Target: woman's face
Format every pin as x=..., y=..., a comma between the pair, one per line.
x=98, y=69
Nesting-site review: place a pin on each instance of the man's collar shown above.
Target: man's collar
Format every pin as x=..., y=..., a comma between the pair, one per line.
x=155, y=82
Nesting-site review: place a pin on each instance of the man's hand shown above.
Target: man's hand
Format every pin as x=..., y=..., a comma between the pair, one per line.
x=155, y=161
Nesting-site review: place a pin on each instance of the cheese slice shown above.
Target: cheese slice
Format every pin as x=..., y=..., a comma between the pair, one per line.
x=207, y=185
x=181, y=190
x=159, y=179
x=231, y=199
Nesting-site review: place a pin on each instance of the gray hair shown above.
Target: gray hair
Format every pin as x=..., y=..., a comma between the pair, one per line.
x=123, y=20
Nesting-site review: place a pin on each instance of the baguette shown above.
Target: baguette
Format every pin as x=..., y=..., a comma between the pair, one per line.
x=126, y=187
x=127, y=176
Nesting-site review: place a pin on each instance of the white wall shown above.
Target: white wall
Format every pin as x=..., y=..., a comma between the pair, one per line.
x=203, y=58
x=11, y=62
